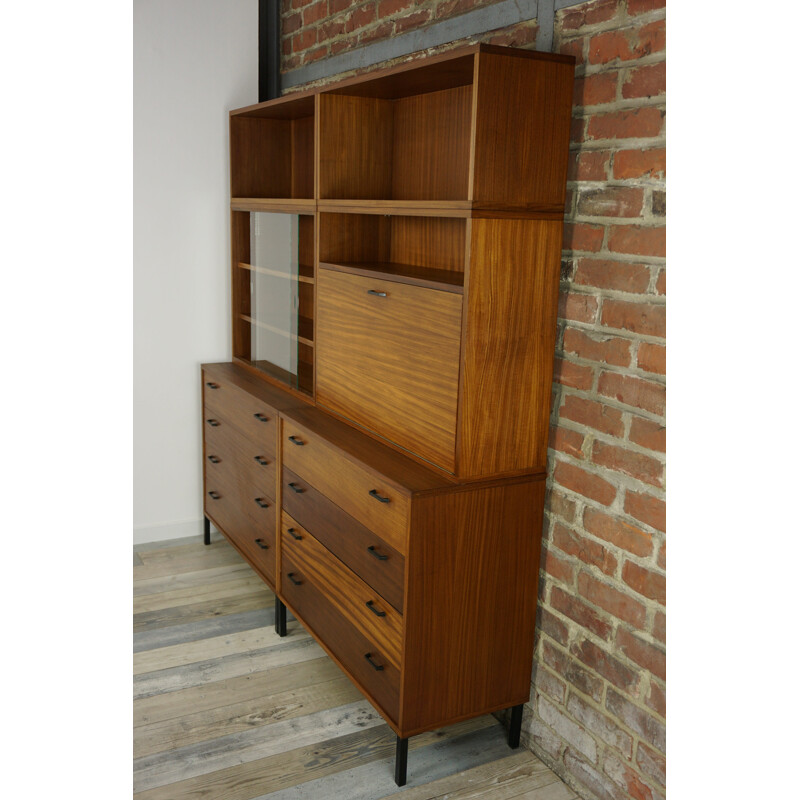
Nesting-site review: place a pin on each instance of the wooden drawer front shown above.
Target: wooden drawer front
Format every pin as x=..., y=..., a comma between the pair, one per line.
x=364, y=607
x=390, y=363
x=253, y=534
x=227, y=450
x=225, y=402
x=371, y=558
x=349, y=645
x=375, y=503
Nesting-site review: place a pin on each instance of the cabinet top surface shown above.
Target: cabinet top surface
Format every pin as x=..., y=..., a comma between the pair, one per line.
x=273, y=396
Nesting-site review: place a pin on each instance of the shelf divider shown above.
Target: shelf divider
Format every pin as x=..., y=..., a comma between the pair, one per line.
x=441, y=279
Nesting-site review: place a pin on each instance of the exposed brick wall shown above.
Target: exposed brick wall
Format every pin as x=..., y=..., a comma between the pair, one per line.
x=597, y=711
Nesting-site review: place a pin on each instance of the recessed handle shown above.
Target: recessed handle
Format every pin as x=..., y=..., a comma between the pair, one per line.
x=295, y=488
x=375, y=553
x=295, y=440
x=376, y=667
x=261, y=417
x=371, y=607
x=261, y=502
x=214, y=495
x=380, y=498
x=214, y=423
x=262, y=544
x=291, y=577
x=214, y=459
x=261, y=460
x=212, y=385
x=294, y=535
x=375, y=293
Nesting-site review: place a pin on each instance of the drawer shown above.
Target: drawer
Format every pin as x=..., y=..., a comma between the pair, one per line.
x=388, y=359
x=255, y=538
x=375, y=675
x=373, y=501
x=226, y=449
x=224, y=402
x=358, y=602
x=375, y=561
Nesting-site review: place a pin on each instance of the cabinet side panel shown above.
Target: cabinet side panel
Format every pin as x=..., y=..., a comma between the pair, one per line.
x=524, y=110
x=240, y=283
x=471, y=603
x=507, y=366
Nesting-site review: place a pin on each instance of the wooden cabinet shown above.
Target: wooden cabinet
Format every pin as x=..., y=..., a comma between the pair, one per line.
x=377, y=449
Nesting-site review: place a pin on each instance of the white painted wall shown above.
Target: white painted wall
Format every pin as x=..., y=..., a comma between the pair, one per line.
x=194, y=60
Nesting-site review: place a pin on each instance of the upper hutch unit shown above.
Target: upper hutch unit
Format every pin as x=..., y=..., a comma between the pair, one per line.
x=377, y=449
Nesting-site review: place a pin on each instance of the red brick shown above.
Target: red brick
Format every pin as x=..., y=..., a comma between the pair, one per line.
x=662, y=556
x=409, y=21
x=388, y=7
x=643, y=6
x=575, y=48
x=638, y=240
x=548, y=623
x=566, y=441
x=649, y=434
x=313, y=55
x=338, y=47
x=585, y=483
x=643, y=653
x=606, y=665
x=575, y=375
x=633, y=391
x=620, y=459
x=295, y=4
x=588, y=551
x=604, y=349
x=661, y=282
x=652, y=358
x=660, y=627
x=615, y=275
x=597, y=785
x=620, y=605
x=600, y=11
x=627, y=44
x=637, y=719
x=625, y=777
x=594, y=90
x=517, y=36
x=650, y=163
x=652, y=764
x=645, y=582
x=589, y=165
x=382, y=31
x=577, y=307
x=649, y=81
x=656, y=699
x=583, y=236
x=292, y=23
x=649, y=319
x=339, y=5
x=572, y=671
x=545, y=681
x=360, y=17
x=560, y=505
x=611, y=201
x=305, y=39
x=577, y=129
x=452, y=8
x=593, y=414
x=639, y=123
x=315, y=13
x=617, y=532
x=647, y=509
x=579, y=612
x=331, y=28
x=557, y=567
x=599, y=725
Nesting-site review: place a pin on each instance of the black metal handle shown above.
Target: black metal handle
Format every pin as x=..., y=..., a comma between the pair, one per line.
x=295, y=440
x=261, y=460
x=375, y=553
x=290, y=576
x=214, y=459
x=295, y=488
x=214, y=423
x=378, y=497
x=376, y=667
x=261, y=502
x=261, y=418
x=376, y=294
x=212, y=385
x=214, y=495
x=261, y=544
x=371, y=607
x=294, y=535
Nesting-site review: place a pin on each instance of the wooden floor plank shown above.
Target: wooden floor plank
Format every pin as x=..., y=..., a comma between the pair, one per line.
x=193, y=562
x=557, y=790
x=244, y=584
x=201, y=578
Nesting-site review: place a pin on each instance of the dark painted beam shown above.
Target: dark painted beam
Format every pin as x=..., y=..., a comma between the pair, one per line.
x=269, y=49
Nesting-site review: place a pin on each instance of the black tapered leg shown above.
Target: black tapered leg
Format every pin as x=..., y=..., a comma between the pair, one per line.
x=280, y=618
x=514, y=727
x=400, y=761
x=206, y=530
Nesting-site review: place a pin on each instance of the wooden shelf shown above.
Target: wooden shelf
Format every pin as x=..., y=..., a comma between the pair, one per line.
x=442, y=279
x=280, y=205
x=305, y=329
x=406, y=208
x=305, y=275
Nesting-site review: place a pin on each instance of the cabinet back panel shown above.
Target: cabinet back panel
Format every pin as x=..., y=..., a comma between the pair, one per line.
x=255, y=171
x=240, y=282
x=302, y=157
